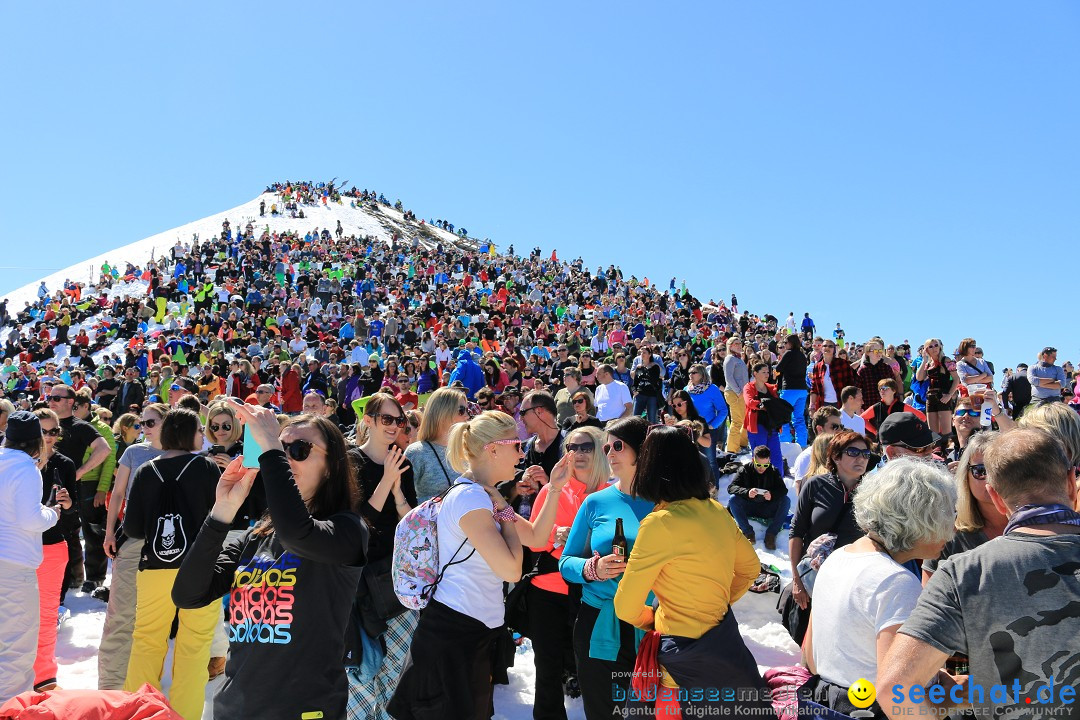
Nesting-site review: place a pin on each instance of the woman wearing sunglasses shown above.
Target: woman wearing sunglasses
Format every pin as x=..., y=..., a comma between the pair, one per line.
x=691, y=556
x=291, y=579
x=550, y=615
x=977, y=520
x=966, y=423
x=386, y=484
x=939, y=372
x=115, y=647
x=448, y=669
x=825, y=506
x=224, y=432
x=170, y=496
x=427, y=456
x=58, y=487
x=604, y=646
x=584, y=411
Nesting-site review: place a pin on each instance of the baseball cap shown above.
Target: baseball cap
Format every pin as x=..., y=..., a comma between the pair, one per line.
x=906, y=429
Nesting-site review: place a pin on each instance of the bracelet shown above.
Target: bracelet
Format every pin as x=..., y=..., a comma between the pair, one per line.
x=589, y=571
x=506, y=514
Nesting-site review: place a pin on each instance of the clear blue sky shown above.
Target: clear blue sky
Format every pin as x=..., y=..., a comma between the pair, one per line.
x=908, y=169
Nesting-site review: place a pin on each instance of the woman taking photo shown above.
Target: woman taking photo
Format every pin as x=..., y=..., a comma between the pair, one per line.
x=427, y=456
x=115, y=648
x=57, y=476
x=448, y=669
x=170, y=496
x=386, y=484
x=224, y=432
x=550, y=612
x=757, y=423
x=825, y=506
x=935, y=368
x=604, y=646
x=863, y=591
x=646, y=384
x=694, y=559
x=284, y=659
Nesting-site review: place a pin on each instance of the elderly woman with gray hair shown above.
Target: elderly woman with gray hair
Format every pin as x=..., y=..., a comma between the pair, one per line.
x=863, y=592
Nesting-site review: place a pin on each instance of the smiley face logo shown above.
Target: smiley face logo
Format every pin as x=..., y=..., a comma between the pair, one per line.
x=862, y=694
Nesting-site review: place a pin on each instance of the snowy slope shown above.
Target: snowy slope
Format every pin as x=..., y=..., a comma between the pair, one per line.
x=358, y=221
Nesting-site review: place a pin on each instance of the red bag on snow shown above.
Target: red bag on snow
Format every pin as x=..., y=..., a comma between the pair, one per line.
x=146, y=704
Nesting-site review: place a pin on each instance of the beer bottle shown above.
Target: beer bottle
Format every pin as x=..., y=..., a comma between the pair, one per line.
x=618, y=542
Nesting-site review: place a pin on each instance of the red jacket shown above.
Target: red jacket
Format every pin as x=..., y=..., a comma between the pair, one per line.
x=753, y=404
x=146, y=704
x=292, y=398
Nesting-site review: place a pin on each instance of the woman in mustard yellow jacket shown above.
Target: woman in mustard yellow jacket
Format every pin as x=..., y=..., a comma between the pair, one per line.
x=690, y=553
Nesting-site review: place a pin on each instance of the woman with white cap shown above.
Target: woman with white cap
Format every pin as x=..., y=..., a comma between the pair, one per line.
x=22, y=520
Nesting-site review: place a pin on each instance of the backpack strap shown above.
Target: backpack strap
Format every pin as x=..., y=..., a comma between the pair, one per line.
x=443, y=467
x=154, y=467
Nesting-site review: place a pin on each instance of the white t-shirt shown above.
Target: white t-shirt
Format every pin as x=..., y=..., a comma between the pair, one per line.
x=853, y=422
x=471, y=587
x=611, y=400
x=856, y=596
x=826, y=384
x=802, y=463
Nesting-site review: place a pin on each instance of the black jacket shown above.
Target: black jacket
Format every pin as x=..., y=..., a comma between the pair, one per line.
x=747, y=478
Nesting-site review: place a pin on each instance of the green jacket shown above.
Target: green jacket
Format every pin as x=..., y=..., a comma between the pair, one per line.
x=104, y=472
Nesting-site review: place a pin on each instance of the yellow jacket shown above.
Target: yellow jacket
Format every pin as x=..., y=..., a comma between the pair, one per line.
x=694, y=558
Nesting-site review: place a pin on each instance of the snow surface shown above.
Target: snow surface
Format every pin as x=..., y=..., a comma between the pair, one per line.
x=79, y=637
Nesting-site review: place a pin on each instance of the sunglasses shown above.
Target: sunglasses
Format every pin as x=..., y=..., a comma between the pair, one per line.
x=300, y=450
x=762, y=465
x=175, y=387
x=462, y=410
x=616, y=445
x=977, y=471
x=55, y=432
x=832, y=427
x=58, y=398
x=515, y=443
x=214, y=427
x=146, y=423
x=931, y=347
x=854, y=453
x=387, y=420
x=917, y=450
x=969, y=413
x=586, y=448
x=579, y=401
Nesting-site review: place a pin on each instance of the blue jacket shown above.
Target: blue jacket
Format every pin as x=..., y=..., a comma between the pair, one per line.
x=469, y=373
x=710, y=405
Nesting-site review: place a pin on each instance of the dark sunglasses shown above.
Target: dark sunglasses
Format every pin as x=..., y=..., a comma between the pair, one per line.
x=832, y=427
x=616, y=445
x=462, y=410
x=300, y=450
x=55, y=432
x=586, y=448
x=174, y=387
x=969, y=413
x=854, y=453
x=977, y=471
x=579, y=401
x=146, y=423
x=387, y=420
x=214, y=427
x=58, y=398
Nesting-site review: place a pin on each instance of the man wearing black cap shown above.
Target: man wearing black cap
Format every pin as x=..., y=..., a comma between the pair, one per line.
x=1016, y=394
x=903, y=434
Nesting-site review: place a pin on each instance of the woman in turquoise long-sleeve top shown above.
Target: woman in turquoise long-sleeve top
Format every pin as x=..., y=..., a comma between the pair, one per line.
x=605, y=647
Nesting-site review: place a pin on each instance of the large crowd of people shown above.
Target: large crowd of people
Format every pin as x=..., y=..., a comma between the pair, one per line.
x=243, y=426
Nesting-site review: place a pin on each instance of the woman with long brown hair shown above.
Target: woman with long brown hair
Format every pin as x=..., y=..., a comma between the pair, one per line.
x=299, y=566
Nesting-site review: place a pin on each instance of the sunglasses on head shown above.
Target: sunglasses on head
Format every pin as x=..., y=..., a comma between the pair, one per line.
x=969, y=413
x=854, y=453
x=54, y=432
x=616, y=445
x=387, y=420
x=515, y=443
x=300, y=450
x=978, y=471
x=214, y=427
x=587, y=448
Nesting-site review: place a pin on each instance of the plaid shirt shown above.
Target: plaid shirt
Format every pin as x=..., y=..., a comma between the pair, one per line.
x=840, y=373
x=868, y=378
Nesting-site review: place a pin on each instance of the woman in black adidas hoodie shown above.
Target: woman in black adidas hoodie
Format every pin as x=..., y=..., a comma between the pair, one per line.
x=290, y=579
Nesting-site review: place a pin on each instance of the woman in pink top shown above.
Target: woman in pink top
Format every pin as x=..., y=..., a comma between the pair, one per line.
x=549, y=601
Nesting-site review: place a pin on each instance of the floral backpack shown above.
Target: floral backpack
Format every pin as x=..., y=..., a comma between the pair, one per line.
x=415, y=564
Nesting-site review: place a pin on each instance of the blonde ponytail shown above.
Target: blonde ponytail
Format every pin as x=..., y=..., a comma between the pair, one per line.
x=467, y=439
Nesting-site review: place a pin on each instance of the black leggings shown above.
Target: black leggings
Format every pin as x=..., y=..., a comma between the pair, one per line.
x=552, y=641
x=599, y=678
